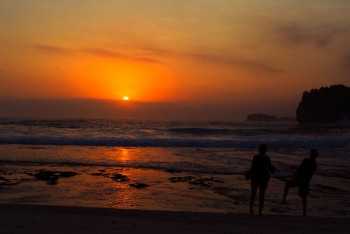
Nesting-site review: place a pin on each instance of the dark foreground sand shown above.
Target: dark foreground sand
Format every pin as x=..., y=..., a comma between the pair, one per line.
x=55, y=219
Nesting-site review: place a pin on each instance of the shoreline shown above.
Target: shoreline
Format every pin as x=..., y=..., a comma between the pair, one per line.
x=95, y=187
x=20, y=218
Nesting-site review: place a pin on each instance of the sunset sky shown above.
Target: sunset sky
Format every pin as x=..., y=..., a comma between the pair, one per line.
x=236, y=55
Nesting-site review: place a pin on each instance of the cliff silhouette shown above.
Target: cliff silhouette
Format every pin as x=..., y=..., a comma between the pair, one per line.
x=324, y=105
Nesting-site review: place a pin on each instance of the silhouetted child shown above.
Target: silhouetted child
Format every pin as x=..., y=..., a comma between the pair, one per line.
x=259, y=174
x=302, y=178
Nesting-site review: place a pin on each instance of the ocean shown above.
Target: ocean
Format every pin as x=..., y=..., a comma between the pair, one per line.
x=169, y=165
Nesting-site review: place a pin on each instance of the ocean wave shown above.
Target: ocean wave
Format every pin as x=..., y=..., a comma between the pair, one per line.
x=181, y=166
x=174, y=142
x=51, y=123
x=224, y=131
x=300, y=130
x=172, y=167
x=201, y=131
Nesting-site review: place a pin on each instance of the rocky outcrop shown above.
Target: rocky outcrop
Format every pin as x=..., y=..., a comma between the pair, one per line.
x=324, y=105
x=110, y=173
x=51, y=177
x=119, y=177
x=139, y=185
x=207, y=182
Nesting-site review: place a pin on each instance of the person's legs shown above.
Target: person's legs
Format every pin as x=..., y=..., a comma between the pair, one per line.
x=261, y=198
x=304, y=205
x=304, y=192
x=252, y=197
x=286, y=189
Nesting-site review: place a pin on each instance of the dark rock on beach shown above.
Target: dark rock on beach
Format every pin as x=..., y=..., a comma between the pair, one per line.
x=139, y=185
x=207, y=182
x=181, y=179
x=100, y=174
x=45, y=175
x=51, y=177
x=14, y=182
x=119, y=177
x=68, y=174
x=324, y=105
x=5, y=181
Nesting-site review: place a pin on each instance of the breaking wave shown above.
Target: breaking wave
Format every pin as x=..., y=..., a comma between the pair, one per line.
x=172, y=142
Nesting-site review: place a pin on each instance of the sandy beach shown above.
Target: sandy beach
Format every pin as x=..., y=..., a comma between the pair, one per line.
x=60, y=219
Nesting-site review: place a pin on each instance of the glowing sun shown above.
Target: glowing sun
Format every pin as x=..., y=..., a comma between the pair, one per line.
x=126, y=98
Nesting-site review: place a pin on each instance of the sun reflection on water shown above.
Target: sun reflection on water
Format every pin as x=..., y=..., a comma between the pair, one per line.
x=124, y=154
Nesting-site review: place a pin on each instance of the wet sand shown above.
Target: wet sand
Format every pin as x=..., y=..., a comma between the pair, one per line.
x=59, y=219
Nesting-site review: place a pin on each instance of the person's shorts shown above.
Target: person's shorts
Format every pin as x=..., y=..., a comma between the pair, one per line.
x=259, y=184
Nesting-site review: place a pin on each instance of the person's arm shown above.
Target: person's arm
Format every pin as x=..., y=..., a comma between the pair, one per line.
x=248, y=175
x=302, y=165
x=271, y=167
x=253, y=164
x=314, y=168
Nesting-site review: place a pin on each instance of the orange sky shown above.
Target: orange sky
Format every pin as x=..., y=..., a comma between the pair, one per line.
x=200, y=52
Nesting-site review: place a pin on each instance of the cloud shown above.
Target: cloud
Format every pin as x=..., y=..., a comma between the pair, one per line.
x=117, y=55
x=253, y=65
x=345, y=62
x=154, y=55
x=294, y=34
x=93, y=51
x=250, y=64
x=52, y=49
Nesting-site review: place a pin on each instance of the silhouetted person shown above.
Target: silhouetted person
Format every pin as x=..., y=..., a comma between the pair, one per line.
x=260, y=176
x=302, y=178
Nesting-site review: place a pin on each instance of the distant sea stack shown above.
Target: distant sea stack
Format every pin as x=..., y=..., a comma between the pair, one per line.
x=324, y=105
